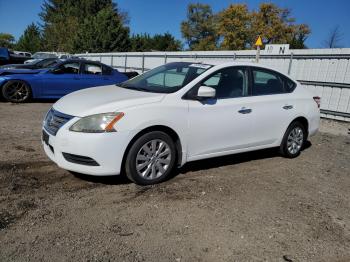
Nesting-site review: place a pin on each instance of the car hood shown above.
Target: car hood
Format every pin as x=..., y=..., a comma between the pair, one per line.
x=103, y=99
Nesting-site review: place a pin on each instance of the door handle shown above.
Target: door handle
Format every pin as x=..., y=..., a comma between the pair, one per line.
x=287, y=107
x=244, y=110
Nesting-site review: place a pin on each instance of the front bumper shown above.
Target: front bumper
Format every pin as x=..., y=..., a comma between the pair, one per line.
x=107, y=149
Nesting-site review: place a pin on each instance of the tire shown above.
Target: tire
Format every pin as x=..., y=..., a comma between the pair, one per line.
x=293, y=140
x=151, y=158
x=16, y=91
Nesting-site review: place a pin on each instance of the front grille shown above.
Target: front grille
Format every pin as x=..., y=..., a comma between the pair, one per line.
x=82, y=160
x=54, y=120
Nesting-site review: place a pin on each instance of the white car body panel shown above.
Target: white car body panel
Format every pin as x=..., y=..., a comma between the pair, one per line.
x=204, y=129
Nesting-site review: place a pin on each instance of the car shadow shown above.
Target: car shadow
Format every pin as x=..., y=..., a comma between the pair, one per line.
x=32, y=101
x=106, y=180
x=198, y=165
x=233, y=159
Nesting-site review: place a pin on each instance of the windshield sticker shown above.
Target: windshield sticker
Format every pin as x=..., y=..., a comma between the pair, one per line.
x=200, y=66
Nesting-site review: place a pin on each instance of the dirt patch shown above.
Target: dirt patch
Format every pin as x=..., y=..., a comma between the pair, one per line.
x=248, y=207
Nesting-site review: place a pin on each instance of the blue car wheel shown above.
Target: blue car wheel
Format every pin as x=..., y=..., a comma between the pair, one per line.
x=16, y=91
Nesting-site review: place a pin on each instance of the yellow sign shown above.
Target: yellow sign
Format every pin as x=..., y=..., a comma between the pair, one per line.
x=258, y=41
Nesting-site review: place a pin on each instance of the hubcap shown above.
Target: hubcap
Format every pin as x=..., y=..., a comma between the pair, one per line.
x=17, y=92
x=295, y=140
x=153, y=159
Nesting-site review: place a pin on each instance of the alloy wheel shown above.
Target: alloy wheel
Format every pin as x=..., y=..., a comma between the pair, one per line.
x=16, y=92
x=295, y=140
x=153, y=159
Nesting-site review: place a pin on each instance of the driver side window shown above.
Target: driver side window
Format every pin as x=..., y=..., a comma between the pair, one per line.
x=228, y=82
x=68, y=68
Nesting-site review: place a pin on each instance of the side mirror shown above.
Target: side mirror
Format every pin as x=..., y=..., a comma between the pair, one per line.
x=206, y=92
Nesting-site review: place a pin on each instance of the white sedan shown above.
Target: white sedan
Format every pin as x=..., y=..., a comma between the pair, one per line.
x=176, y=113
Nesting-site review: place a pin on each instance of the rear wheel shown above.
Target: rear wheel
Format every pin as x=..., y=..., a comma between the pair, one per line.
x=151, y=158
x=16, y=91
x=293, y=140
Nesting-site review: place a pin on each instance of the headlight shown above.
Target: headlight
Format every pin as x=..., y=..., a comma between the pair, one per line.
x=97, y=123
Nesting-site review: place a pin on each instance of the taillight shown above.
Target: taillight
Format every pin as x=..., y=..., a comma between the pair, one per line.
x=317, y=100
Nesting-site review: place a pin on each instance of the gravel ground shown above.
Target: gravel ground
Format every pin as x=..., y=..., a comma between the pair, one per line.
x=248, y=207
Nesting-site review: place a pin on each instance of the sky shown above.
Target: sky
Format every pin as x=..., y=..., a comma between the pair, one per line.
x=161, y=16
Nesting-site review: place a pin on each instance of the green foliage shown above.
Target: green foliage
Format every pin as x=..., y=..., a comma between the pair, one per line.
x=159, y=42
x=166, y=42
x=141, y=43
x=199, y=29
x=64, y=22
x=6, y=40
x=104, y=32
x=31, y=40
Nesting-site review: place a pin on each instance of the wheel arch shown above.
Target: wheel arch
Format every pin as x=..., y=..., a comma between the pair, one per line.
x=169, y=131
x=303, y=120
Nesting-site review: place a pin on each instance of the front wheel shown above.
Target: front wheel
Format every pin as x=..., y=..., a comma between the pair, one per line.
x=293, y=140
x=16, y=91
x=151, y=158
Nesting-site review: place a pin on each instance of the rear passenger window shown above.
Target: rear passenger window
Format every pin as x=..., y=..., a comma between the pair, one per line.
x=92, y=69
x=289, y=85
x=106, y=70
x=266, y=82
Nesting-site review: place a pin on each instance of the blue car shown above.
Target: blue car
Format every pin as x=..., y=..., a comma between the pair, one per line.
x=21, y=85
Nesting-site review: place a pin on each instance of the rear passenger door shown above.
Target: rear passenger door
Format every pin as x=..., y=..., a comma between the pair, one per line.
x=273, y=105
x=91, y=75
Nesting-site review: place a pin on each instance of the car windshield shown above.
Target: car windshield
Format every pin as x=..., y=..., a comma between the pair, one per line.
x=167, y=78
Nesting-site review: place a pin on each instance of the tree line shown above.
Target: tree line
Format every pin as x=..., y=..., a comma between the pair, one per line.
x=77, y=26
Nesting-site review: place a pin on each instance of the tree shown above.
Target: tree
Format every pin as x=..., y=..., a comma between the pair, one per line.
x=165, y=42
x=159, y=42
x=199, y=29
x=239, y=28
x=6, y=40
x=141, y=43
x=298, y=36
x=30, y=40
x=234, y=27
x=104, y=32
x=64, y=22
x=334, y=38
x=277, y=26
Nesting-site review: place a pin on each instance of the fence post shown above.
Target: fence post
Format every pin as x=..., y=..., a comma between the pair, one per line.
x=234, y=56
x=165, y=58
x=112, y=60
x=126, y=61
x=290, y=63
x=100, y=58
x=143, y=62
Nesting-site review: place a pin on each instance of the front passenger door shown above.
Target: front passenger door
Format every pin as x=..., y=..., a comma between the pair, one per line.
x=223, y=124
x=61, y=80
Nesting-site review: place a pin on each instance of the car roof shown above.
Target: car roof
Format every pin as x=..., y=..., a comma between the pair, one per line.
x=79, y=60
x=220, y=64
